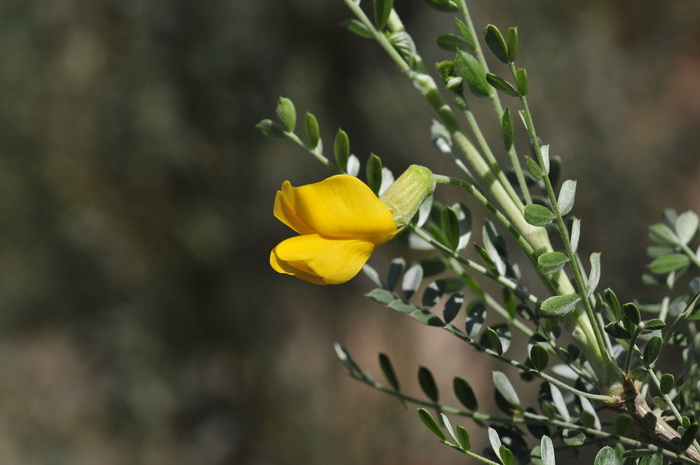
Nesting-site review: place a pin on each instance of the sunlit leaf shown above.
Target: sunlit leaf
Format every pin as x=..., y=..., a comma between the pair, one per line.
x=506, y=389
x=558, y=306
x=431, y=424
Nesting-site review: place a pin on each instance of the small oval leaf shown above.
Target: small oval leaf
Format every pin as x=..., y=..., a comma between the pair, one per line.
x=670, y=262
x=538, y=215
x=495, y=41
x=551, y=262
x=652, y=349
x=427, y=383
x=430, y=422
x=464, y=393
x=567, y=193
x=388, y=370
x=506, y=389
x=539, y=357
x=559, y=305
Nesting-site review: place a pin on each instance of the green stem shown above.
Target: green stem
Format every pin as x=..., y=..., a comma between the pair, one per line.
x=587, y=322
x=495, y=100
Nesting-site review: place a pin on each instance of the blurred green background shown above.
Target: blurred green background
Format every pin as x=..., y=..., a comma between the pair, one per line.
x=140, y=321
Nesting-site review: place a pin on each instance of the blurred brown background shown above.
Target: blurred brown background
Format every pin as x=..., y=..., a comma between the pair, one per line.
x=140, y=322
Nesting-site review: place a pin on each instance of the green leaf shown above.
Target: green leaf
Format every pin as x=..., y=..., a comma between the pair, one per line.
x=594, y=276
x=606, y=456
x=491, y=341
x=534, y=168
x=427, y=384
x=654, y=324
x=613, y=303
x=655, y=459
x=512, y=44
x=506, y=455
x=466, y=34
x=464, y=218
x=588, y=417
x=616, y=330
x=565, y=202
x=631, y=312
x=666, y=383
x=445, y=6
x=271, y=128
x=539, y=357
x=452, y=307
x=450, y=227
x=382, y=296
x=688, y=437
x=341, y=148
x=476, y=314
x=507, y=124
x=451, y=42
x=374, y=173
x=495, y=441
x=347, y=360
x=506, y=389
x=538, y=215
x=287, y=113
x=313, y=133
x=433, y=293
x=501, y=85
x=495, y=247
x=430, y=422
x=494, y=40
x=550, y=262
x=652, y=349
x=547, y=451
x=472, y=72
x=521, y=81
x=358, y=28
x=463, y=437
x=559, y=402
x=687, y=226
x=663, y=235
x=382, y=10
x=624, y=423
x=388, y=370
x=559, y=305
x=464, y=393
x=667, y=263
x=412, y=279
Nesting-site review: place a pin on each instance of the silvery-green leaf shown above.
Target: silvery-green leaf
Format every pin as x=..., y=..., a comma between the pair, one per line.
x=353, y=166
x=687, y=226
x=550, y=262
x=544, y=150
x=594, y=277
x=547, y=451
x=411, y=280
x=506, y=389
x=663, y=235
x=559, y=305
x=575, y=233
x=372, y=274
x=559, y=403
x=567, y=193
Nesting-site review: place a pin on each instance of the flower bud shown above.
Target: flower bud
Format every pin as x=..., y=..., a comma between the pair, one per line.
x=405, y=195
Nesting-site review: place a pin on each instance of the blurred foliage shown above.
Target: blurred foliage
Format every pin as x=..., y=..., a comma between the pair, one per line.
x=140, y=322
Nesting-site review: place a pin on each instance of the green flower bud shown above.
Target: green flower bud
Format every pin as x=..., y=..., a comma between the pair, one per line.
x=405, y=195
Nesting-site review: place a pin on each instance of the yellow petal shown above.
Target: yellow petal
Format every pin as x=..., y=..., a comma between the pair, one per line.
x=319, y=260
x=341, y=206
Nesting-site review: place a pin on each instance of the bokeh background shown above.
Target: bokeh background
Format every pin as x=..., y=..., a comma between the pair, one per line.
x=140, y=322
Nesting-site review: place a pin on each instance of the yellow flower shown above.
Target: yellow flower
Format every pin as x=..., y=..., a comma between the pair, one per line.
x=340, y=221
